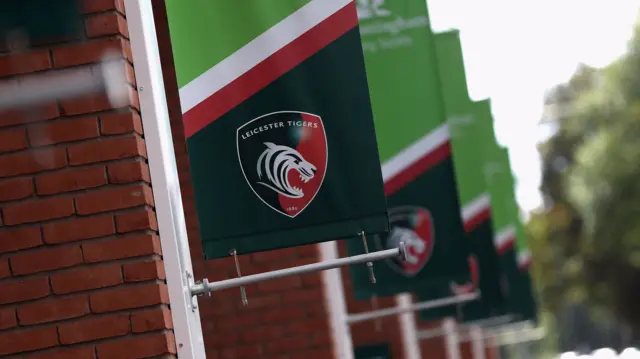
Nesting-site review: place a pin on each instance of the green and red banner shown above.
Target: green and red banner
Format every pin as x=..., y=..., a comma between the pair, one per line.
x=278, y=120
x=415, y=150
x=517, y=282
x=473, y=192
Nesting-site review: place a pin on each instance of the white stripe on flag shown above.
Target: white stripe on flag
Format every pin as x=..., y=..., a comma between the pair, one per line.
x=256, y=51
x=414, y=152
x=524, y=256
x=475, y=207
x=501, y=238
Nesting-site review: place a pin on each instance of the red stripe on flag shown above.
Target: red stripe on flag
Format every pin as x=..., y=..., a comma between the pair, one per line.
x=506, y=246
x=525, y=265
x=270, y=69
x=417, y=168
x=476, y=220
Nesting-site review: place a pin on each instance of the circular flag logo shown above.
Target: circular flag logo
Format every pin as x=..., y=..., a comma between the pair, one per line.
x=283, y=156
x=413, y=226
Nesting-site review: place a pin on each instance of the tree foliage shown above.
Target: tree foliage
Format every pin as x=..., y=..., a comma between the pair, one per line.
x=586, y=241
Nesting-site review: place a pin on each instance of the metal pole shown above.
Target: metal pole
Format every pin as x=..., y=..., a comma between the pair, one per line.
x=206, y=287
x=490, y=322
x=477, y=342
x=361, y=317
x=452, y=341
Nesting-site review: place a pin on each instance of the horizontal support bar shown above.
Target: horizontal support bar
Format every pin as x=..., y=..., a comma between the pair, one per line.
x=430, y=333
x=206, y=287
x=490, y=322
x=437, y=303
x=518, y=336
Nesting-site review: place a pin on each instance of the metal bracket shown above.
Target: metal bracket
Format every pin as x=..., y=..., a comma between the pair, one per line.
x=430, y=304
x=205, y=287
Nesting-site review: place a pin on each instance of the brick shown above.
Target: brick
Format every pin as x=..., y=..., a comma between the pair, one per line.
x=107, y=149
x=87, y=352
x=322, y=338
x=85, y=104
x=122, y=247
x=237, y=321
x=78, y=228
x=53, y=310
x=15, y=189
x=4, y=268
x=53, y=132
x=13, y=117
x=94, y=328
x=23, y=63
x=24, y=289
x=280, y=285
x=261, y=302
x=86, y=278
x=102, y=5
x=20, y=238
x=303, y=296
x=117, y=123
x=89, y=52
x=127, y=172
x=241, y=352
x=21, y=163
x=14, y=342
x=71, y=180
x=8, y=318
x=151, y=319
x=224, y=339
x=136, y=221
x=286, y=345
x=315, y=354
x=39, y=210
x=13, y=140
x=46, y=259
x=129, y=297
x=262, y=334
x=141, y=346
x=283, y=314
x=308, y=326
x=114, y=199
x=107, y=23
x=143, y=271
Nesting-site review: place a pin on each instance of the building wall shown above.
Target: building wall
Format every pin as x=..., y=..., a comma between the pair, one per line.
x=286, y=318
x=81, y=273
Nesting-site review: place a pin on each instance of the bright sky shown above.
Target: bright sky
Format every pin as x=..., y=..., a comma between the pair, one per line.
x=515, y=50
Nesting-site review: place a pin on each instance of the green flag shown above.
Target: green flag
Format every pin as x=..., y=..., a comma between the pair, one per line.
x=528, y=305
x=413, y=139
x=472, y=189
x=376, y=351
x=516, y=284
x=278, y=120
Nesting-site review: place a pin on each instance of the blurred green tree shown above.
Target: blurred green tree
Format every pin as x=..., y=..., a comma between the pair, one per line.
x=586, y=240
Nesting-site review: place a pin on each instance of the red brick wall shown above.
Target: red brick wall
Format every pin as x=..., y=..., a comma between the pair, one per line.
x=80, y=269
x=285, y=318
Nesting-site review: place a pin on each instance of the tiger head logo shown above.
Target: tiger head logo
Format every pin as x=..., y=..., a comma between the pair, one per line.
x=274, y=165
x=415, y=227
x=283, y=156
